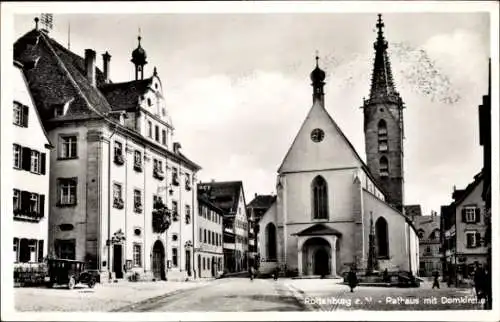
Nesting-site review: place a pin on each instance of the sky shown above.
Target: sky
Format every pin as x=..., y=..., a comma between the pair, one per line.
x=237, y=85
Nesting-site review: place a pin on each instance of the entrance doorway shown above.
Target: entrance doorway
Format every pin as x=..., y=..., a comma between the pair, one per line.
x=316, y=259
x=117, y=261
x=159, y=261
x=321, y=265
x=188, y=262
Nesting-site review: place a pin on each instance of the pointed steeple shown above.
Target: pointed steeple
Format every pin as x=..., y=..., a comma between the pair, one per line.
x=382, y=87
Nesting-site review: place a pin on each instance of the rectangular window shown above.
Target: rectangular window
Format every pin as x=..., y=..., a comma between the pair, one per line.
x=118, y=148
x=175, y=180
x=164, y=137
x=137, y=255
x=470, y=214
x=20, y=114
x=67, y=191
x=137, y=201
x=201, y=234
x=174, y=257
x=35, y=161
x=117, y=196
x=157, y=133
x=150, y=129
x=188, y=214
x=17, y=156
x=137, y=160
x=204, y=235
x=175, y=211
x=33, y=208
x=68, y=147
x=209, y=237
x=188, y=182
x=471, y=239
x=17, y=200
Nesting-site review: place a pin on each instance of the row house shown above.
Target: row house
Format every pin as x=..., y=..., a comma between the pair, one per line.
x=464, y=230
x=256, y=209
x=209, y=254
x=121, y=192
x=30, y=167
x=230, y=198
x=429, y=238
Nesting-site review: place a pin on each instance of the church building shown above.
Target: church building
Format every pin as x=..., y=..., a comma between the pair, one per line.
x=330, y=203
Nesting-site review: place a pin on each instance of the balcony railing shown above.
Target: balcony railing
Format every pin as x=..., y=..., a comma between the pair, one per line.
x=158, y=174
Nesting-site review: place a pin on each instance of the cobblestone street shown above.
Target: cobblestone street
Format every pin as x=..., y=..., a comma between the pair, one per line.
x=240, y=294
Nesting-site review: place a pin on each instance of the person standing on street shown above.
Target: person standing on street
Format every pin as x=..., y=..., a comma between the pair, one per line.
x=252, y=272
x=436, y=280
x=352, y=279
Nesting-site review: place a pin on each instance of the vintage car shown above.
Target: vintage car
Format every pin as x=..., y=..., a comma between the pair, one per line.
x=69, y=272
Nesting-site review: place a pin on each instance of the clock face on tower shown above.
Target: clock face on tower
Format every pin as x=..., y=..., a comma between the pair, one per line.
x=317, y=135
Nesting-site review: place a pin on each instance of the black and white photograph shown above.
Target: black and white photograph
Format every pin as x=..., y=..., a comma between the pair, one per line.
x=250, y=160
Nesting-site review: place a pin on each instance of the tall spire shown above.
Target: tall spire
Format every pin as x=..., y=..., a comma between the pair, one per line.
x=382, y=88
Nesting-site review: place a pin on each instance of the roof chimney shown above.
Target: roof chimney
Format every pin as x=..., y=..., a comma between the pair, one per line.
x=106, y=58
x=90, y=66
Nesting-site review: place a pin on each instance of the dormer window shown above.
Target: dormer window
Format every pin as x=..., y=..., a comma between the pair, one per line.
x=58, y=110
x=21, y=114
x=118, y=158
x=149, y=102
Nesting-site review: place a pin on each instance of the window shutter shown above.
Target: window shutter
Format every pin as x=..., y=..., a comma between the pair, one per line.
x=478, y=239
x=478, y=215
x=464, y=218
x=42, y=163
x=26, y=162
x=25, y=116
x=42, y=205
x=25, y=200
x=40, y=251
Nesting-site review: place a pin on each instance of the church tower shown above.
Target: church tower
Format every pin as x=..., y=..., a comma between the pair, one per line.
x=139, y=60
x=383, y=125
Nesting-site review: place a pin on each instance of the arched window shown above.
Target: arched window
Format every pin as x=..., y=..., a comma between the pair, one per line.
x=271, y=241
x=382, y=135
x=420, y=233
x=382, y=238
x=434, y=234
x=384, y=167
x=320, y=198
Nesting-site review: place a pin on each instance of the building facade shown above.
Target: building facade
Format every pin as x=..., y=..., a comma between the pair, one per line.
x=30, y=169
x=122, y=193
x=464, y=232
x=430, y=250
x=256, y=209
x=209, y=252
x=229, y=196
x=328, y=198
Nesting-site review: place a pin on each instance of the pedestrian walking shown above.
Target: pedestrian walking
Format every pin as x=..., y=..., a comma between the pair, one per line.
x=252, y=272
x=436, y=280
x=352, y=279
x=276, y=273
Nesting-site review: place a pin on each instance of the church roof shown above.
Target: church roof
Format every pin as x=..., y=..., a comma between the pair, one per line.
x=318, y=230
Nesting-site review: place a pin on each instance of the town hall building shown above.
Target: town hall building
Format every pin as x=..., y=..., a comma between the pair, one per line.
x=330, y=202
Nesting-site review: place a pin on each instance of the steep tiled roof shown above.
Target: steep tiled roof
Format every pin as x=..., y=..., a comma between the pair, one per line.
x=262, y=201
x=125, y=96
x=58, y=68
x=413, y=210
x=224, y=195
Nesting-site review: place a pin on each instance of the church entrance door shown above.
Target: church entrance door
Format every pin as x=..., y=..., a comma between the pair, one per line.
x=321, y=262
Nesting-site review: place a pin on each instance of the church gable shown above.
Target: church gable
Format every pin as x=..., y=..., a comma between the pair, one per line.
x=319, y=144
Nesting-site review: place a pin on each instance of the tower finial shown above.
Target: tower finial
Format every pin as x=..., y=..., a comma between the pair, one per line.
x=139, y=36
x=380, y=25
x=36, y=23
x=317, y=58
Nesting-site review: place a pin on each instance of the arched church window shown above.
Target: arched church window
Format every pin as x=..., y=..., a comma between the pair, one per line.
x=382, y=238
x=320, y=198
x=271, y=241
x=384, y=167
x=382, y=136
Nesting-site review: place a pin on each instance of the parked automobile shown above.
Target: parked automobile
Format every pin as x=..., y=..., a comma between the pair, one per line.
x=70, y=272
